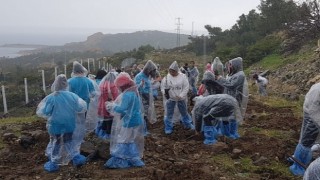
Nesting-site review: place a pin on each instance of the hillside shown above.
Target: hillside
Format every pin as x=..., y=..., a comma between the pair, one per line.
x=122, y=42
x=291, y=76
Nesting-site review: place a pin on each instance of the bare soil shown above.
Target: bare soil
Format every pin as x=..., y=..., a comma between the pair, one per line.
x=181, y=155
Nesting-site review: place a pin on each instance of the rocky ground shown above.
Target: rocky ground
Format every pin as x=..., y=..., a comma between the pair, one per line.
x=268, y=136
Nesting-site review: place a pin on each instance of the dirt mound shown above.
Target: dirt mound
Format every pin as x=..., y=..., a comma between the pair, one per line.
x=265, y=139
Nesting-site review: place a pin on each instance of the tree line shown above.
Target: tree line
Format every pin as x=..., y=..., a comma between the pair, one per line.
x=281, y=26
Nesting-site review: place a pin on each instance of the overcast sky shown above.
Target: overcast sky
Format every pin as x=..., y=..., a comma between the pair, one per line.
x=116, y=16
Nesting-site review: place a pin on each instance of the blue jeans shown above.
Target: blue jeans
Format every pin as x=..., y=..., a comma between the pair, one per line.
x=182, y=106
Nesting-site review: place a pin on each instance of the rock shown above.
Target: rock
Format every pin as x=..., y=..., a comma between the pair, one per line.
x=87, y=147
x=261, y=161
x=26, y=141
x=103, y=150
x=39, y=135
x=9, y=137
x=251, y=116
x=236, y=153
x=219, y=147
x=159, y=174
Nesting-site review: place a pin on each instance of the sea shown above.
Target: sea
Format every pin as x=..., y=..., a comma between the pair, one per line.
x=11, y=52
x=33, y=39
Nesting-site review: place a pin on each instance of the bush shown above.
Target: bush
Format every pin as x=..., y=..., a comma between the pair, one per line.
x=262, y=48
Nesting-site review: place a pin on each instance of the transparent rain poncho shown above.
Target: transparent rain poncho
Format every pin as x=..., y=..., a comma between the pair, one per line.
x=193, y=79
x=207, y=75
x=165, y=85
x=217, y=66
x=60, y=109
x=176, y=89
x=313, y=171
x=127, y=134
x=78, y=70
x=312, y=103
x=80, y=84
x=92, y=113
x=211, y=85
x=109, y=92
x=216, y=106
x=311, y=117
x=236, y=84
x=143, y=81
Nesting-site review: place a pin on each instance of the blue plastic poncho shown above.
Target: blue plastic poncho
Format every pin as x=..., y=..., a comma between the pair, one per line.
x=80, y=84
x=143, y=81
x=60, y=108
x=127, y=134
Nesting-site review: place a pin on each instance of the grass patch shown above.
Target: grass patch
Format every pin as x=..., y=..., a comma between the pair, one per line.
x=256, y=129
x=246, y=165
x=18, y=120
x=295, y=106
x=270, y=62
x=277, y=169
x=279, y=134
x=225, y=162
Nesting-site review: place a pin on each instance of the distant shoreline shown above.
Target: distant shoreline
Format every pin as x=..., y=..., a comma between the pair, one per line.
x=35, y=46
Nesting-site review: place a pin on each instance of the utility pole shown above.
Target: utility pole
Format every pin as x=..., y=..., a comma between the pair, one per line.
x=204, y=45
x=178, y=31
x=192, y=29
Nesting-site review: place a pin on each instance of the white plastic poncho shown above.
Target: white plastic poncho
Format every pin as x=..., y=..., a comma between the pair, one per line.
x=178, y=85
x=217, y=66
x=313, y=170
x=60, y=109
x=92, y=117
x=311, y=104
x=236, y=84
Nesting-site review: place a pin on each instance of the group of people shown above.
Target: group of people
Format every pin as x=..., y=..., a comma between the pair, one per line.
x=120, y=107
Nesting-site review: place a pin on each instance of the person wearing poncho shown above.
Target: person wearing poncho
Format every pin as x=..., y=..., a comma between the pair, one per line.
x=235, y=85
x=60, y=109
x=175, y=87
x=109, y=92
x=309, y=130
x=143, y=81
x=127, y=133
x=208, y=109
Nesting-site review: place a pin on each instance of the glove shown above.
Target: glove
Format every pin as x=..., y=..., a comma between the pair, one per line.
x=109, y=106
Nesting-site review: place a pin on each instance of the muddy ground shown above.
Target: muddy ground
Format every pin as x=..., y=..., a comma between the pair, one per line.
x=268, y=135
